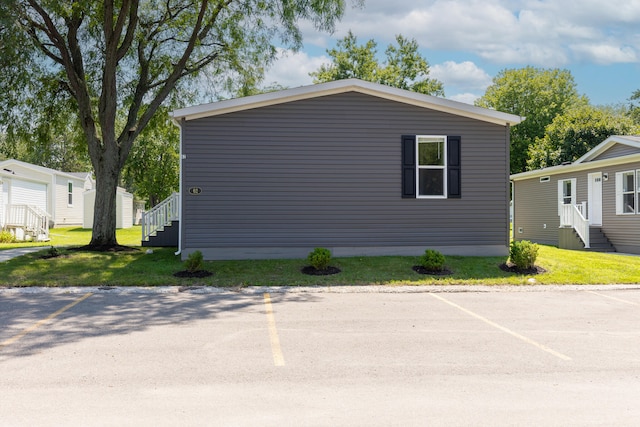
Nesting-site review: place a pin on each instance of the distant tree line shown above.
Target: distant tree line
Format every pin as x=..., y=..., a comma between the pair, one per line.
x=561, y=124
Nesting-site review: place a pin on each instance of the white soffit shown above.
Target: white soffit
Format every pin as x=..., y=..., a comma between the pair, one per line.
x=342, y=86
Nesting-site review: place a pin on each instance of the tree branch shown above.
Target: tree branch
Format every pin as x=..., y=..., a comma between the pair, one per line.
x=71, y=59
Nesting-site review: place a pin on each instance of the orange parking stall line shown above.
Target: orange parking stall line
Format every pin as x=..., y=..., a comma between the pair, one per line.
x=43, y=321
x=278, y=358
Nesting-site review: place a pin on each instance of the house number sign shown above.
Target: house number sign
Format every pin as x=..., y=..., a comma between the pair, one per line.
x=195, y=190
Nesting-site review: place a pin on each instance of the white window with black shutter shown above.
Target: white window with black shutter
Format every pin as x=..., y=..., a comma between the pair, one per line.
x=431, y=167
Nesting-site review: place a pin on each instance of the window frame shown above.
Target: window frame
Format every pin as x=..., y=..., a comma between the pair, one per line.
x=562, y=197
x=70, y=193
x=620, y=192
x=442, y=167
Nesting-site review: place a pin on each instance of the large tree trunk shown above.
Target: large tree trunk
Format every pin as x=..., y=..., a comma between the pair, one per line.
x=104, y=214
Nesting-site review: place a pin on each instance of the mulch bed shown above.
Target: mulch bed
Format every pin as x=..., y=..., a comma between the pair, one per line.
x=199, y=274
x=105, y=248
x=421, y=270
x=511, y=268
x=312, y=271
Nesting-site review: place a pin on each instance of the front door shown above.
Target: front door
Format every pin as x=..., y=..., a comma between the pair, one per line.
x=595, y=198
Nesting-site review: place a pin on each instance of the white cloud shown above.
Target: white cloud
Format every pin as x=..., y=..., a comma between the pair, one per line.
x=582, y=35
x=537, y=32
x=463, y=76
x=467, y=98
x=292, y=68
x=605, y=53
x=464, y=81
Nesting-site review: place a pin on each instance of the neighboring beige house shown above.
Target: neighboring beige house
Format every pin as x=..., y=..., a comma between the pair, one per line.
x=35, y=198
x=592, y=203
x=60, y=194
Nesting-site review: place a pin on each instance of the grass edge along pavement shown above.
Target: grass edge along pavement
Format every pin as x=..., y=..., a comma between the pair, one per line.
x=138, y=268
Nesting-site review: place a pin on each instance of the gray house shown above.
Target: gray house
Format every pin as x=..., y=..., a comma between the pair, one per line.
x=593, y=203
x=356, y=167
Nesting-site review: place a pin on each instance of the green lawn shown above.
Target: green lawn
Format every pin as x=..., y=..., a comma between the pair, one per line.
x=76, y=236
x=140, y=269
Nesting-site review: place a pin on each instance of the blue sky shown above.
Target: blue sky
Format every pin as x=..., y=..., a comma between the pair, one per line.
x=467, y=42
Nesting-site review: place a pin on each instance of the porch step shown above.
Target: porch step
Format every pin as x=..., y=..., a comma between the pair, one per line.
x=599, y=241
x=164, y=237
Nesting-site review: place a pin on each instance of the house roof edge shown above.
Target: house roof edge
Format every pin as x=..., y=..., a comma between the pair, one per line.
x=342, y=86
x=630, y=140
x=575, y=167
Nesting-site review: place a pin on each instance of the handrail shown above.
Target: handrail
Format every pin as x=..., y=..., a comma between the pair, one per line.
x=160, y=215
x=30, y=218
x=574, y=216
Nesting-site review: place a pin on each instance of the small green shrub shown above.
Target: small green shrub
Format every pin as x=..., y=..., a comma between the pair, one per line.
x=53, y=252
x=194, y=261
x=7, y=237
x=432, y=260
x=523, y=254
x=320, y=258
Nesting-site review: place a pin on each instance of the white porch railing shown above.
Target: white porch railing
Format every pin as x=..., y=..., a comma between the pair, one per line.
x=575, y=216
x=160, y=215
x=31, y=220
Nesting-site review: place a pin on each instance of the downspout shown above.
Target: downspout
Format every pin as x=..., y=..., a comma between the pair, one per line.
x=180, y=225
x=51, y=198
x=512, y=206
x=510, y=198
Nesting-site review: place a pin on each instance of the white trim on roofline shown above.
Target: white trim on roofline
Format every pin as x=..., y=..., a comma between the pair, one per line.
x=20, y=177
x=632, y=141
x=585, y=162
x=575, y=167
x=342, y=86
x=40, y=169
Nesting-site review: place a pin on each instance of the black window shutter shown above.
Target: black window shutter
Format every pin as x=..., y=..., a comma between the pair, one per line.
x=454, y=190
x=409, y=166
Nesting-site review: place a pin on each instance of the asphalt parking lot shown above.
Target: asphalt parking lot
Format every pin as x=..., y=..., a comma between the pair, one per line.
x=319, y=357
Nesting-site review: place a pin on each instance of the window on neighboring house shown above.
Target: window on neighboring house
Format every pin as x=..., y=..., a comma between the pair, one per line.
x=431, y=166
x=70, y=193
x=627, y=189
x=566, y=192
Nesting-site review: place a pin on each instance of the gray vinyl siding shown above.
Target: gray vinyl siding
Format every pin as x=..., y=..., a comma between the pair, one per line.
x=618, y=150
x=536, y=204
x=327, y=172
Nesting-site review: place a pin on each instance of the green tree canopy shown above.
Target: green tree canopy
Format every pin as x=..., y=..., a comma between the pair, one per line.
x=47, y=132
x=633, y=107
x=152, y=170
x=539, y=95
x=403, y=68
x=574, y=133
x=124, y=58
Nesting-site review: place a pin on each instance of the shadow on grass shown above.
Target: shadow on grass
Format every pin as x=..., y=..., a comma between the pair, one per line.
x=76, y=230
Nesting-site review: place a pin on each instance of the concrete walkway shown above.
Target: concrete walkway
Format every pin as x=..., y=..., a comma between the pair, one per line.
x=8, y=254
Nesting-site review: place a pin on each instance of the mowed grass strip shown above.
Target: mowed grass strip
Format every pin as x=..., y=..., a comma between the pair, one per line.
x=137, y=268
